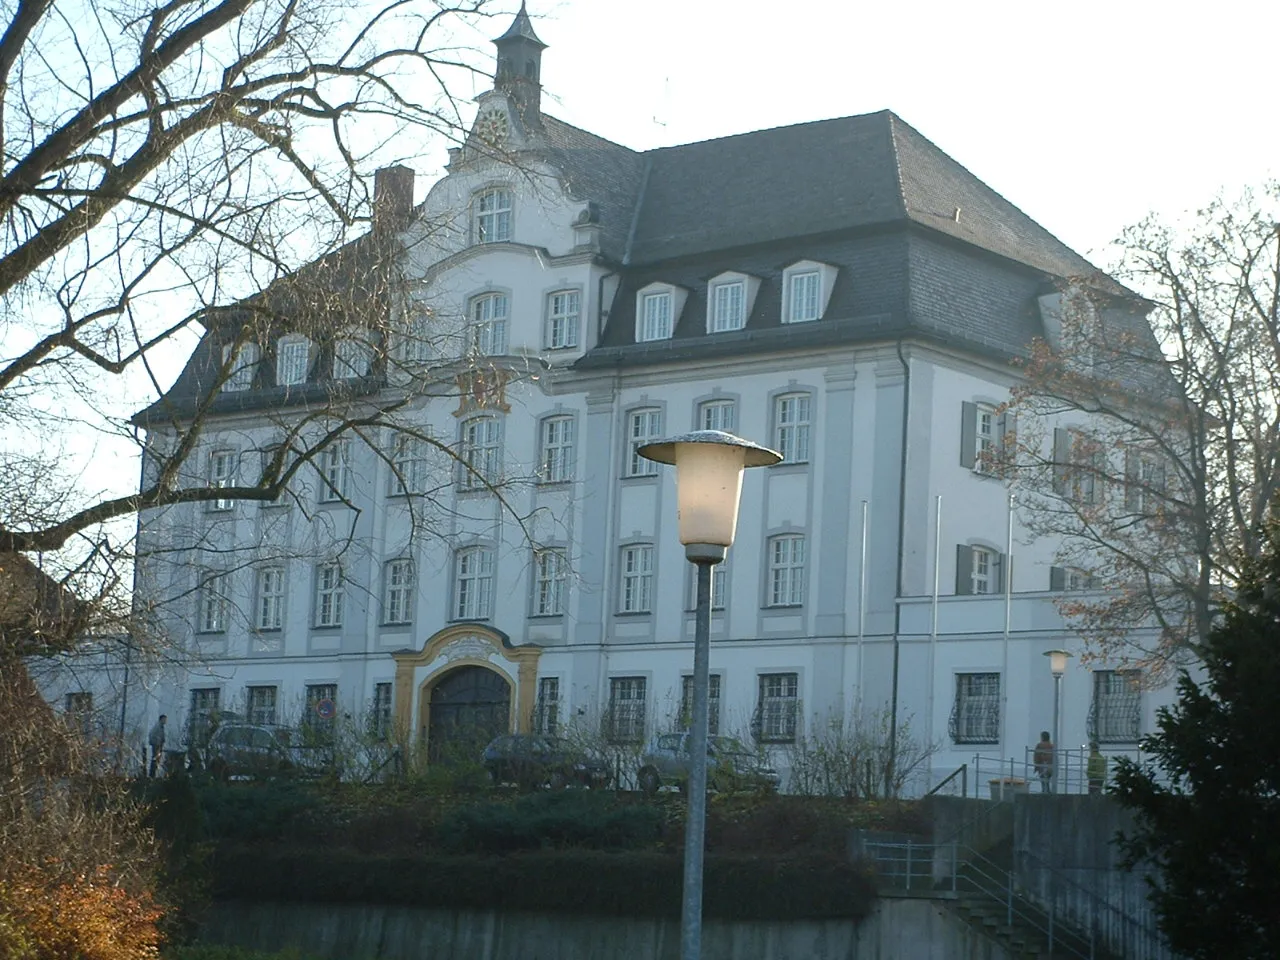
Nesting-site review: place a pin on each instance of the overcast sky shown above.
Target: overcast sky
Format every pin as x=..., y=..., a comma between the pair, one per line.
x=1086, y=115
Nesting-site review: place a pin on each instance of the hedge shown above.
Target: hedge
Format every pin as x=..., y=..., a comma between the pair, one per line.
x=633, y=883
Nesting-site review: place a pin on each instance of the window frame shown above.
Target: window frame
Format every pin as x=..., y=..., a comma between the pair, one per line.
x=474, y=573
x=636, y=465
x=718, y=320
x=546, y=708
x=381, y=711
x=494, y=223
x=318, y=730
x=357, y=367
x=398, y=590
x=557, y=454
x=330, y=596
x=213, y=602
x=778, y=712
x=786, y=576
x=241, y=370
x=976, y=714
x=706, y=418
x=481, y=466
x=822, y=276
x=627, y=725
x=289, y=363
x=408, y=464
x=488, y=335
x=1126, y=688
x=564, y=322
x=266, y=712
x=635, y=578
x=650, y=326
x=715, y=688
x=203, y=704
x=224, y=463
x=268, y=598
x=334, y=466
x=719, y=584
x=793, y=433
x=550, y=582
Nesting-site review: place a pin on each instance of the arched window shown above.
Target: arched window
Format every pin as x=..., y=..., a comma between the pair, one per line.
x=473, y=584
x=481, y=453
x=489, y=324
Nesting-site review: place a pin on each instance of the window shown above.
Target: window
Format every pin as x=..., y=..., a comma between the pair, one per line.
x=1070, y=579
x=655, y=317
x=550, y=571
x=803, y=297
x=269, y=610
x=293, y=360
x=481, y=453
x=728, y=306
x=718, y=579
x=329, y=595
x=271, y=472
x=211, y=605
x=643, y=426
x=351, y=358
x=786, y=571
x=489, y=324
x=546, y=712
x=408, y=464
x=975, y=715
x=412, y=343
x=493, y=216
x=982, y=437
x=222, y=474
x=625, y=722
x=556, y=461
x=262, y=705
x=473, y=584
x=334, y=464
x=685, y=720
x=397, y=592
x=320, y=715
x=791, y=427
x=1079, y=466
x=78, y=707
x=380, y=712
x=562, y=319
x=241, y=372
x=777, y=709
x=1115, y=715
x=205, y=702
x=979, y=570
x=717, y=415
x=1144, y=482
x=637, y=579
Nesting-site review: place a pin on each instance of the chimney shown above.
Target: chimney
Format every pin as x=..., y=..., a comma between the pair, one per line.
x=392, y=197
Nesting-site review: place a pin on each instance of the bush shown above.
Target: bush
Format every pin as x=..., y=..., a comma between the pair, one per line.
x=569, y=819
x=270, y=810
x=211, y=952
x=634, y=883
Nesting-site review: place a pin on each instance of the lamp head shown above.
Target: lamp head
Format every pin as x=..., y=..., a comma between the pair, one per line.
x=709, y=465
x=1057, y=661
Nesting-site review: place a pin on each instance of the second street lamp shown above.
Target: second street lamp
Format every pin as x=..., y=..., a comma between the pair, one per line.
x=709, y=465
x=1058, y=667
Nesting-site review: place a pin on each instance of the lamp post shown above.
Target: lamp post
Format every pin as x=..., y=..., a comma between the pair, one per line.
x=1058, y=667
x=709, y=465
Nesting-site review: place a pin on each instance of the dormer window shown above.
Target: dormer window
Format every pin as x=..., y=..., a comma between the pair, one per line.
x=806, y=291
x=730, y=297
x=293, y=360
x=493, y=216
x=241, y=370
x=352, y=356
x=658, y=307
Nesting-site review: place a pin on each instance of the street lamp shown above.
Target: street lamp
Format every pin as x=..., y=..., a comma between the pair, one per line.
x=709, y=465
x=1058, y=667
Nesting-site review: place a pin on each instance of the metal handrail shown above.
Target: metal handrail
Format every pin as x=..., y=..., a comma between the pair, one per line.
x=962, y=772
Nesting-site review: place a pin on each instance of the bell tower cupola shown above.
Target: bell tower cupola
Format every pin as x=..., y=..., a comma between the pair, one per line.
x=519, y=72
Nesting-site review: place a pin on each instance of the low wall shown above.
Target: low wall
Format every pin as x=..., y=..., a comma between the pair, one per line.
x=899, y=929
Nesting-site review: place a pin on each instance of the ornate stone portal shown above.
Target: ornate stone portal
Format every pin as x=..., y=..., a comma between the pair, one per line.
x=454, y=647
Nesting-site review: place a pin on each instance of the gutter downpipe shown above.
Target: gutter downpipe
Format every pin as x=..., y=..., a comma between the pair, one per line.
x=862, y=605
x=933, y=618
x=1008, y=614
x=891, y=767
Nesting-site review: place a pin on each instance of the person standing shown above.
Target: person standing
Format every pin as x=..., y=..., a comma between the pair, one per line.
x=1096, y=769
x=1042, y=759
x=155, y=739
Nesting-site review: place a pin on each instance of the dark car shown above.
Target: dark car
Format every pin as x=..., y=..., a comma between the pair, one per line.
x=730, y=765
x=246, y=750
x=532, y=760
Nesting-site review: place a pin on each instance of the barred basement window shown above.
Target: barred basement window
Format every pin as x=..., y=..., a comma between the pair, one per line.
x=1115, y=713
x=262, y=705
x=777, y=708
x=975, y=714
x=625, y=721
x=685, y=720
x=380, y=712
x=205, y=703
x=318, y=720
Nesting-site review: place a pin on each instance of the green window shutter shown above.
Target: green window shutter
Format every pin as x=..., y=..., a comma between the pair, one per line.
x=968, y=433
x=964, y=570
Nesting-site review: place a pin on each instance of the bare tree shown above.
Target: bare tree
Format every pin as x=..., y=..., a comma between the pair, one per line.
x=195, y=169
x=1167, y=458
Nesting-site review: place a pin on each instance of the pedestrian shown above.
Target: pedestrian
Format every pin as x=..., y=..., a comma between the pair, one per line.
x=1096, y=769
x=155, y=739
x=1042, y=758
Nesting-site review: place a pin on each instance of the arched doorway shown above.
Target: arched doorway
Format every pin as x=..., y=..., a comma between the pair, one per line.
x=465, y=709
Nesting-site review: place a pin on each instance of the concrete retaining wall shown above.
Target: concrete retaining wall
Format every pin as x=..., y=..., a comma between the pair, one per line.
x=899, y=929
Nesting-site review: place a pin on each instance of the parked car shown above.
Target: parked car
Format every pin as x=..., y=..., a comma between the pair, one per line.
x=532, y=760
x=249, y=750
x=731, y=765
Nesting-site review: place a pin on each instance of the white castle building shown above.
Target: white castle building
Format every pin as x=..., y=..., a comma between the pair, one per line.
x=842, y=291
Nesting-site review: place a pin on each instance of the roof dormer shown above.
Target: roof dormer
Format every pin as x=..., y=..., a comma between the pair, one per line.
x=658, y=307
x=730, y=298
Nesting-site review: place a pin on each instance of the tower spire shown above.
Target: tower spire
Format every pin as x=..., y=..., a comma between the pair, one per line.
x=519, y=68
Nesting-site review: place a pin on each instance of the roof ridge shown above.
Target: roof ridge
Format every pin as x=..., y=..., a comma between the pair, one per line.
x=752, y=133
x=594, y=136
x=897, y=160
